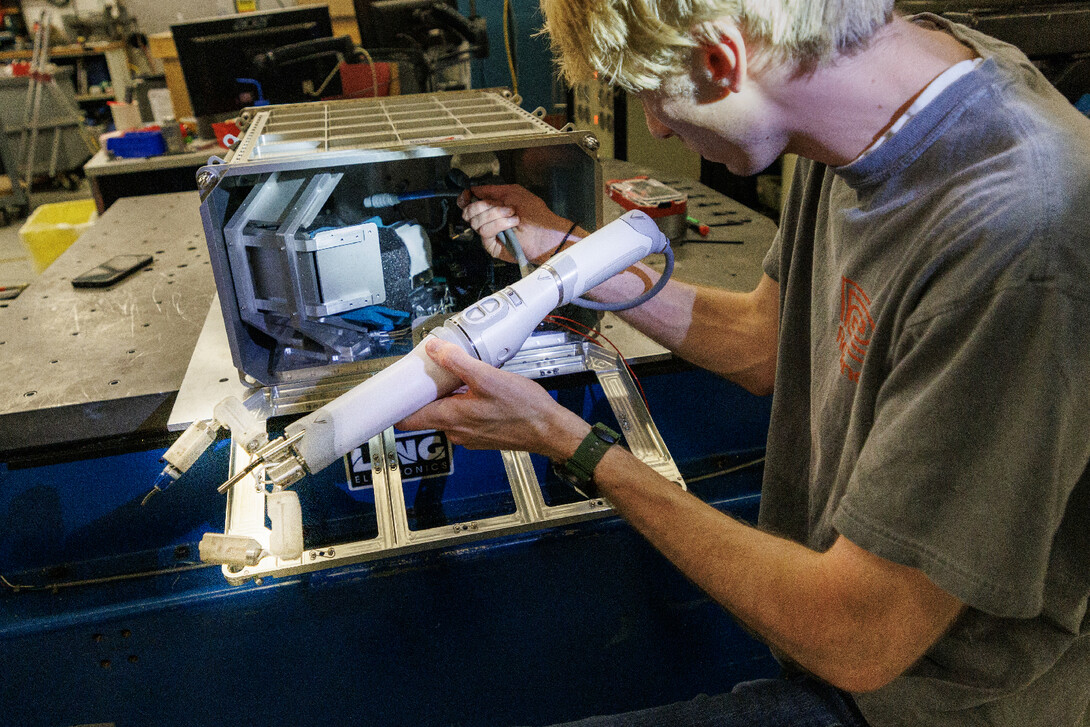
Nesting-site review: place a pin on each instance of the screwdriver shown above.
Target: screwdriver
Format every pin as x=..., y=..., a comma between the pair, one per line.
x=697, y=225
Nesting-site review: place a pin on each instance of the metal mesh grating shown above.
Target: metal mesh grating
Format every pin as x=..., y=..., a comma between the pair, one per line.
x=304, y=129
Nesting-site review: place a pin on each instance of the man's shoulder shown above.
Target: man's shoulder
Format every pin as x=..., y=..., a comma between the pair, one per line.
x=1018, y=183
x=1005, y=185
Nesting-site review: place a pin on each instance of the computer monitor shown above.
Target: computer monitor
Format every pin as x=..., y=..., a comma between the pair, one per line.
x=214, y=52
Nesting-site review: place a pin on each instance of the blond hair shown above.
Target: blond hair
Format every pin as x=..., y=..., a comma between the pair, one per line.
x=636, y=44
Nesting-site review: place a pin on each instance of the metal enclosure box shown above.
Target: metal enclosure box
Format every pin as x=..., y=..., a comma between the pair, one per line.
x=293, y=247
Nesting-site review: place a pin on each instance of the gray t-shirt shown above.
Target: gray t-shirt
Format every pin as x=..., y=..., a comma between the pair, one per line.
x=932, y=399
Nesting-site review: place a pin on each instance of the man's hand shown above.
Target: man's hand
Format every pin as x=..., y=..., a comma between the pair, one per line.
x=491, y=210
x=497, y=410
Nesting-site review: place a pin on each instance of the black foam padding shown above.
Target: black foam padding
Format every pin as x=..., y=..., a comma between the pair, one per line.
x=395, y=269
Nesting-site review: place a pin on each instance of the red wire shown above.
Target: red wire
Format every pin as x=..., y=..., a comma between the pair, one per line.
x=557, y=320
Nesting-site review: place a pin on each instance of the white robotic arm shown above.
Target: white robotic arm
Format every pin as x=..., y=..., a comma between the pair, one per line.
x=492, y=330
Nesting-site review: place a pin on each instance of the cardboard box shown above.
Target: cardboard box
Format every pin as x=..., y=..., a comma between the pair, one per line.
x=337, y=8
x=162, y=47
x=343, y=14
x=346, y=26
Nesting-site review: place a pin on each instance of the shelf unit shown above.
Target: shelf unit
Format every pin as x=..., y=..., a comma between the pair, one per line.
x=79, y=57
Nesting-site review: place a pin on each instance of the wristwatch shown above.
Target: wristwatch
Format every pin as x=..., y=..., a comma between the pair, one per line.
x=578, y=470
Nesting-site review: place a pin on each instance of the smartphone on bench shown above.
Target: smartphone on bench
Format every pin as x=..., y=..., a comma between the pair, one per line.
x=111, y=271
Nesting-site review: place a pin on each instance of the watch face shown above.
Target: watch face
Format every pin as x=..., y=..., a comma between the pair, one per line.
x=583, y=487
x=568, y=474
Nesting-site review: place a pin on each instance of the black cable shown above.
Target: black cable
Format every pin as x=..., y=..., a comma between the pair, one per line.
x=514, y=37
x=446, y=218
x=564, y=239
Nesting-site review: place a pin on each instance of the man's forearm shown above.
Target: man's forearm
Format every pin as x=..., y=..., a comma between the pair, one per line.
x=732, y=334
x=761, y=579
x=800, y=601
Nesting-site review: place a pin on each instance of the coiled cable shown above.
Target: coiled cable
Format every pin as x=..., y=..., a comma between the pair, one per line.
x=667, y=271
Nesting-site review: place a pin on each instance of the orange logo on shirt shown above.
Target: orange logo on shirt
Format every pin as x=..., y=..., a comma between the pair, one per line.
x=856, y=326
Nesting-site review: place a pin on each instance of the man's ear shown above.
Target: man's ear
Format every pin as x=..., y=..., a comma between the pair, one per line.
x=725, y=58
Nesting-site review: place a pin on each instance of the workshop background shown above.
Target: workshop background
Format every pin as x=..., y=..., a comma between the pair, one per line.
x=109, y=615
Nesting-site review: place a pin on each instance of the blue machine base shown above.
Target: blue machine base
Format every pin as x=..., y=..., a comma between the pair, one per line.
x=531, y=629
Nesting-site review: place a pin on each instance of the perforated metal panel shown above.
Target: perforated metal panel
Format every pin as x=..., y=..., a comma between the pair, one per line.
x=383, y=123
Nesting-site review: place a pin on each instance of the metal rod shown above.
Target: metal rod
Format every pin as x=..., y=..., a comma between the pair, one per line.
x=35, y=79
x=31, y=89
x=260, y=457
x=254, y=463
x=278, y=445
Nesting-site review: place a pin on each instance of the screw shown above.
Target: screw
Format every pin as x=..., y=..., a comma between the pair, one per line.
x=205, y=179
x=590, y=141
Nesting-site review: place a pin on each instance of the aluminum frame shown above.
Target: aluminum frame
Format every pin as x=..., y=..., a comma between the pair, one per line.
x=246, y=501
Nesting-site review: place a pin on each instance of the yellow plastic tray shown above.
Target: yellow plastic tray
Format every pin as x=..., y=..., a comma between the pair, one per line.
x=51, y=228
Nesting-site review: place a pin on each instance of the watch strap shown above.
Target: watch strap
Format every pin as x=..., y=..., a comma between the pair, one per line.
x=578, y=470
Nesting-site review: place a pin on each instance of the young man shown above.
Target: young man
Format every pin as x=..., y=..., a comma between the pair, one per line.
x=924, y=550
